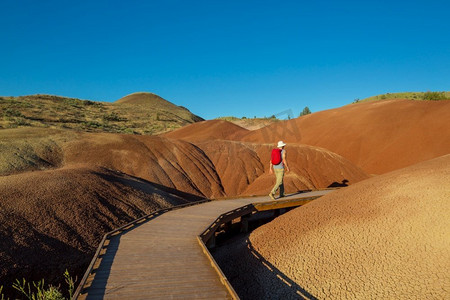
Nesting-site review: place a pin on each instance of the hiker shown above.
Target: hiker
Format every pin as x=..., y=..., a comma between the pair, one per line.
x=278, y=163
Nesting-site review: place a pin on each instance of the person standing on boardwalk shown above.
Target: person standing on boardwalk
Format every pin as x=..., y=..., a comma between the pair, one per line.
x=278, y=164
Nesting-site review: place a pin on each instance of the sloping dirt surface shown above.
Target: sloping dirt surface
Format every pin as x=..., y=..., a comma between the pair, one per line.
x=385, y=237
x=207, y=131
x=52, y=220
x=377, y=136
x=172, y=163
x=244, y=168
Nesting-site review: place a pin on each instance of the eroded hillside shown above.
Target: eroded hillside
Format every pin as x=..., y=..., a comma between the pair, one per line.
x=378, y=136
x=385, y=237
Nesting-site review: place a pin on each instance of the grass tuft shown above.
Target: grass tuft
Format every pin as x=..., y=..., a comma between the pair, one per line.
x=37, y=290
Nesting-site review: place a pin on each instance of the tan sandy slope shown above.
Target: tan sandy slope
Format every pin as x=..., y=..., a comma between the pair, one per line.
x=386, y=237
x=377, y=136
x=207, y=130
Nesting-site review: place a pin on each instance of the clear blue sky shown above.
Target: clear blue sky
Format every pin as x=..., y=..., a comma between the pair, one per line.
x=222, y=58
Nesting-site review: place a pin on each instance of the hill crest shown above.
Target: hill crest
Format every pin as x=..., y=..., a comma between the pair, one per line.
x=378, y=136
x=138, y=113
x=143, y=98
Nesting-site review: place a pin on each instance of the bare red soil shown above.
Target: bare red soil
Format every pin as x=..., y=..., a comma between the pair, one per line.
x=244, y=167
x=378, y=137
x=52, y=220
x=385, y=237
x=171, y=163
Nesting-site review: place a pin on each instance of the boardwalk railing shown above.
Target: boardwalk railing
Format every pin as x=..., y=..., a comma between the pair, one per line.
x=242, y=212
x=207, y=237
x=103, y=244
x=247, y=210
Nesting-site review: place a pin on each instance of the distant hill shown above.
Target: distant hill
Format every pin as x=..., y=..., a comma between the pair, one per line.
x=378, y=136
x=206, y=131
x=250, y=123
x=138, y=113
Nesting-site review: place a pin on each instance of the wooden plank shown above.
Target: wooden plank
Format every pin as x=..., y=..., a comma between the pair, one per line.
x=160, y=258
x=283, y=204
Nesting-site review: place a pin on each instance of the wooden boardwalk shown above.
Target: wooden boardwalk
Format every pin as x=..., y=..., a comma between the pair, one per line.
x=162, y=258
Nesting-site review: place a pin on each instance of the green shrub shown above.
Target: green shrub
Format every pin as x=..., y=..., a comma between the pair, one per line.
x=88, y=102
x=129, y=131
x=92, y=124
x=433, y=96
x=305, y=111
x=70, y=282
x=37, y=291
x=21, y=122
x=12, y=113
x=113, y=117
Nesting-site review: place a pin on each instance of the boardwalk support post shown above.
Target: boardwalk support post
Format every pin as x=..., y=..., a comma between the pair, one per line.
x=211, y=243
x=244, y=223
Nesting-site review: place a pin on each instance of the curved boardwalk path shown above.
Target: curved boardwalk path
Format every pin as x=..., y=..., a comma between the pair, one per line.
x=162, y=258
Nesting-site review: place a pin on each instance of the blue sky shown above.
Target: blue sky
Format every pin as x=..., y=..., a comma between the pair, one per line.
x=222, y=58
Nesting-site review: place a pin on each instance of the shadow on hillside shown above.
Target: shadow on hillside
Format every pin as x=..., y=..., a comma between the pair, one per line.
x=253, y=277
x=147, y=187
x=32, y=254
x=287, y=287
x=339, y=184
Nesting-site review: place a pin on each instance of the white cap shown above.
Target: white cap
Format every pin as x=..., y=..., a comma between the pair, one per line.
x=281, y=144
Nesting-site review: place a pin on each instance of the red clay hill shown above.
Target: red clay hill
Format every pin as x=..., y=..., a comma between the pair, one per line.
x=378, y=136
x=385, y=237
x=243, y=167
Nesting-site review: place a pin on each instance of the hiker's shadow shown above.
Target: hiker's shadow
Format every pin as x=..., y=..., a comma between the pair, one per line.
x=335, y=184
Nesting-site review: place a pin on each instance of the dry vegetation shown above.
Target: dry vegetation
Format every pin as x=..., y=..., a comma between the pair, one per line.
x=434, y=96
x=149, y=114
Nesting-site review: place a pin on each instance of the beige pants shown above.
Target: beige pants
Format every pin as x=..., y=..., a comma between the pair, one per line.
x=279, y=174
